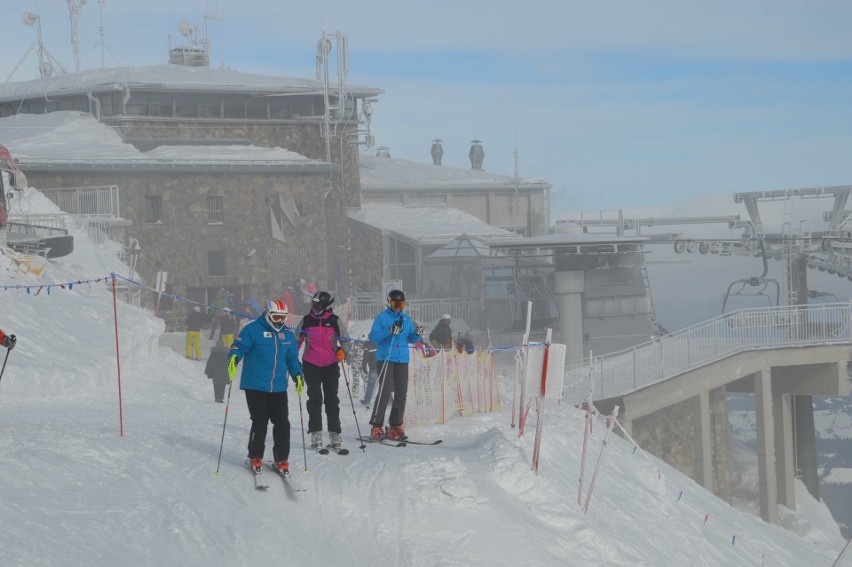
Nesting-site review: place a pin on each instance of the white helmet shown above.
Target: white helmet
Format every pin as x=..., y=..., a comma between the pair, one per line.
x=276, y=314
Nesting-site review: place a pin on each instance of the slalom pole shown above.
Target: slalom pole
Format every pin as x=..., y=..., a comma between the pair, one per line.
x=222, y=442
x=363, y=447
x=302, y=421
x=8, y=350
x=840, y=557
x=117, y=359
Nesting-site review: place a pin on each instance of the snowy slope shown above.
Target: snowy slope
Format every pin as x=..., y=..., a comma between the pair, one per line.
x=75, y=492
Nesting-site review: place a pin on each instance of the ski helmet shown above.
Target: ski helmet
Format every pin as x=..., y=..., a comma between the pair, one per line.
x=396, y=295
x=323, y=298
x=276, y=314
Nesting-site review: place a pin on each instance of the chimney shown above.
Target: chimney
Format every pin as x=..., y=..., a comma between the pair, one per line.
x=383, y=151
x=437, y=151
x=476, y=154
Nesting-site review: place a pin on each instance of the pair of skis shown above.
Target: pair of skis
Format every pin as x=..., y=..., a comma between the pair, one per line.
x=261, y=484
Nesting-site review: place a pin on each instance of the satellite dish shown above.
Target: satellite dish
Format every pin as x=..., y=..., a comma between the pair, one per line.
x=29, y=19
x=185, y=28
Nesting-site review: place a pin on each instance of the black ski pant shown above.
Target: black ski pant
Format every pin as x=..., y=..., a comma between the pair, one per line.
x=394, y=379
x=322, y=383
x=265, y=407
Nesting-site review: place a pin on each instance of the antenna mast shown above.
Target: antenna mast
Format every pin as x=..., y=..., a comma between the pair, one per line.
x=74, y=9
x=101, y=32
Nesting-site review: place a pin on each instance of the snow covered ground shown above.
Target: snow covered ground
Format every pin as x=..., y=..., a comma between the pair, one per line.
x=73, y=491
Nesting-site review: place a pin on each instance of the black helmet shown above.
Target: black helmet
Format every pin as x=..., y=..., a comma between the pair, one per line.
x=396, y=295
x=323, y=298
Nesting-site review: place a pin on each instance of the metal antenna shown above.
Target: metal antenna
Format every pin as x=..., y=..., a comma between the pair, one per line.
x=46, y=61
x=74, y=9
x=101, y=32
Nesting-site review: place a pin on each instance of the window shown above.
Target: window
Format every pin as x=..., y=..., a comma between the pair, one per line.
x=256, y=107
x=153, y=204
x=234, y=106
x=137, y=105
x=209, y=106
x=216, y=263
x=215, y=210
x=279, y=107
x=160, y=104
x=301, y=106
x=186, y=105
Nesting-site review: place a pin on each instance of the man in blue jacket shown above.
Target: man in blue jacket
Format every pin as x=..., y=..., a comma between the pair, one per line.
x=269, y=352
x=392, y=331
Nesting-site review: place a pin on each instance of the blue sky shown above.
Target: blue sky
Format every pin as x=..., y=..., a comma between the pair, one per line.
x=616, y=103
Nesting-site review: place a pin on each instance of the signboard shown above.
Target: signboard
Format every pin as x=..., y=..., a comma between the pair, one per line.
x=389, y=285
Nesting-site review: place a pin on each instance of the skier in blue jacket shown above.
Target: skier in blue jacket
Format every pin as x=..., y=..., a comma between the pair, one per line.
x=392, y=331
x=269, y=352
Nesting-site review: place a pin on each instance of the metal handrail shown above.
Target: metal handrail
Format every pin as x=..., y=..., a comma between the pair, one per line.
x=628, y=370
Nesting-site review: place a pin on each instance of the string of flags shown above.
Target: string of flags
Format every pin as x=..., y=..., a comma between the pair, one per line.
x=37, y=289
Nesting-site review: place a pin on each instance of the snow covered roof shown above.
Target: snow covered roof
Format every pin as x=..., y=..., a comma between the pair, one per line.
x=390, y=174
x=433, y=224
x=168, y=77
x=66, y=140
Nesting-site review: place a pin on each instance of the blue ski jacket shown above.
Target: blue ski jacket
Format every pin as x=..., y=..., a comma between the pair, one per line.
x=380, y=333
x=267, y=355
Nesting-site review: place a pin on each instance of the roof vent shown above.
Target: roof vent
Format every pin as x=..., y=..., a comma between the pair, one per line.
x=476, y=154
x=437, y=151
x=383, y=151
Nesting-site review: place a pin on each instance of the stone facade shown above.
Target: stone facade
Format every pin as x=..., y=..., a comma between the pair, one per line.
x=669, y=434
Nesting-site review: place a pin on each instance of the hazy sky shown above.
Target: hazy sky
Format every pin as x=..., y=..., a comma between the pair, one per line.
x=616, y=103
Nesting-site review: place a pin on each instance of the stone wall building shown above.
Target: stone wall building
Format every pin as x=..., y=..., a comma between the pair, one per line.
x=228, y=179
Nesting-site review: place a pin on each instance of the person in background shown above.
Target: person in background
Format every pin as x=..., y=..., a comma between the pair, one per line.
x=287, y=298
x=8, y=341
x=219, y=302
x=227, y=327
x=441, y=336
x=321, y=331
x=193, y=333
x=392, y=331
x=465, y=343
x=270, y=352
x=217, y=370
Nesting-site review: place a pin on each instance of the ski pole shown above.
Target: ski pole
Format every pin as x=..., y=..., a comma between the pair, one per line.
x=363, y=447
x=375, y=415
x=222, y=443
x=302, y=421
x=8, y=350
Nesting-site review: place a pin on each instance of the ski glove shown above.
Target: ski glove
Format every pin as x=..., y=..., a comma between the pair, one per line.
x=9, y=341
x=232, y=367
x=300, y=387
x=396, y=327
x=341, y=354
x=418, y=330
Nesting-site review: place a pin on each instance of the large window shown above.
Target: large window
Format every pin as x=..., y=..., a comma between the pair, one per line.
x=401, y=264
x=216, y=263
x=160, y=104
x=209, y=106
x=153, y=204
x=256, y=107
x=215, y=210
x=234, y=106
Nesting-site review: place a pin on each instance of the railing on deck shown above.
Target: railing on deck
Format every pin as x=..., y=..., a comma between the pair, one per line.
x=696, y=346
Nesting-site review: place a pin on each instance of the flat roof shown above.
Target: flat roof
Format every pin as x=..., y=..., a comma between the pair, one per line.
x=168, y=77
x=426, y=224
x=382, y=174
